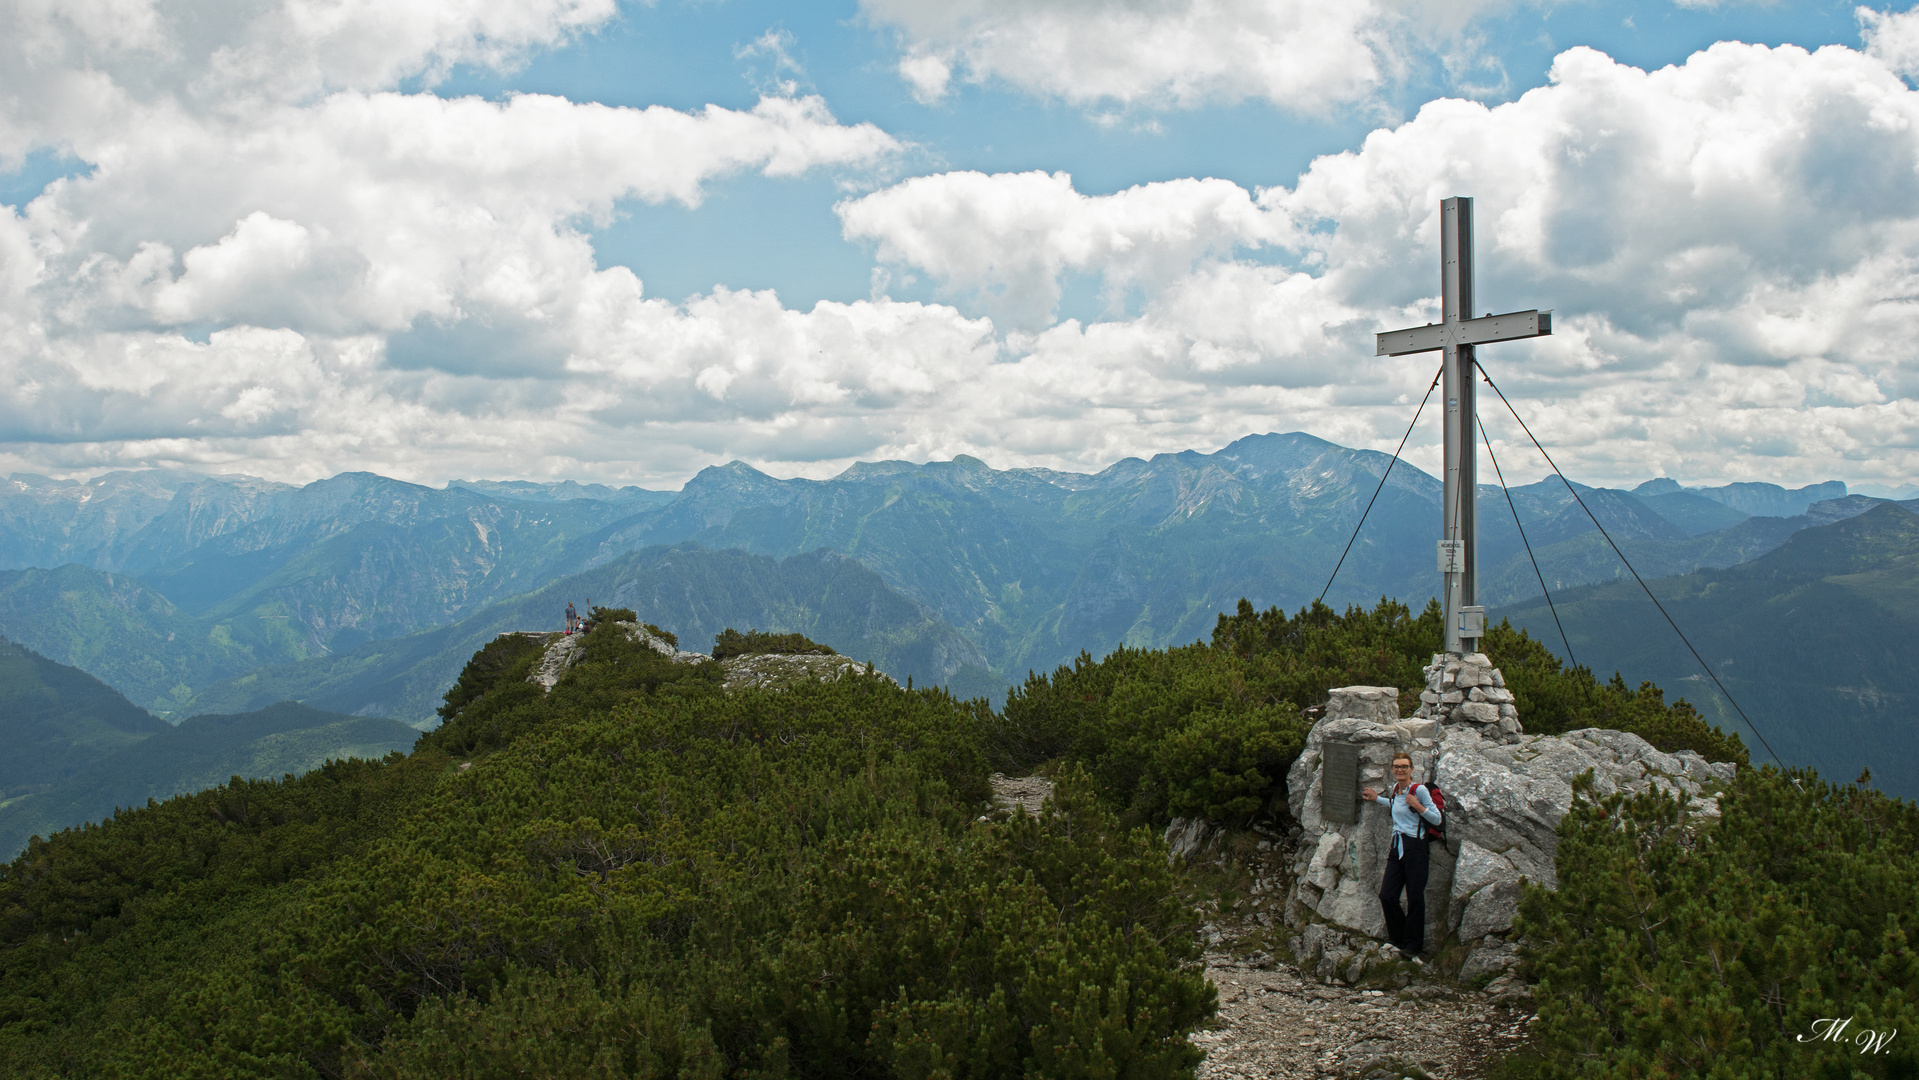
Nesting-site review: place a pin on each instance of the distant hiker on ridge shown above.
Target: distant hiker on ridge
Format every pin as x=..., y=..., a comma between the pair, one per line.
x=1406, y=865
x=572, y=618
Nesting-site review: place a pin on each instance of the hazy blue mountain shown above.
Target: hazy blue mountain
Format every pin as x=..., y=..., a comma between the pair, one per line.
x=201, y=752
x=163, y=582
x=1032, y=566
x=1036, y=565
x=360, y=552
x=123, y=520
x=563, y=490
x=1815, y=639
x=127, y=634
x=1692, y=512
x=54, y=719
x=688, y=590
x=1771, y=500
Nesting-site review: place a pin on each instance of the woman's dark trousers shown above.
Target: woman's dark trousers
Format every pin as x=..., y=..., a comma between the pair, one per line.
x=1407, y=871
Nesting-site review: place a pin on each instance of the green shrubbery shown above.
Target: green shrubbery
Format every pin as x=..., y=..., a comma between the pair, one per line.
x=1211, y=729
x=637, y=875
x=1672, y=950
x=729, y=643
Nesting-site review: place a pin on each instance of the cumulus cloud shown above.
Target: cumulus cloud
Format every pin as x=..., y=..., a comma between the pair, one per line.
x=1297, y=55
x=1007, y=238
x=1891, y=37
x=1731, y=245
x=294, y=282
x=368, y=211
x=68, y=67
x=307, y=268
x=1300, y=56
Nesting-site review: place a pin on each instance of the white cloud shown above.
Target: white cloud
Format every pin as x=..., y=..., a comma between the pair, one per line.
x=1891, y=37
x=1007, y=238
x=1303, y=56
x=68, y=67
x=398, y=282
x=368, y=211
x=1731, y=245
x=386, y=277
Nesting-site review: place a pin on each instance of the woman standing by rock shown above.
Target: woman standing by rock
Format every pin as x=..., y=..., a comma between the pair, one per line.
x=1406, y=864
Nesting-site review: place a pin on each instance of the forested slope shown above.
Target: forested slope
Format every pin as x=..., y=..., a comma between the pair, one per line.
x=641, y=875
x=200, y=752
x=1815, y=640
x=55, y=719
x=634, y=875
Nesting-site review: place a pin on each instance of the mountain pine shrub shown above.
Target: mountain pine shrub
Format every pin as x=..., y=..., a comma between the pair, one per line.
x=1679, y=949
x=634, y=874
x=1210, y=730
x=729, y=643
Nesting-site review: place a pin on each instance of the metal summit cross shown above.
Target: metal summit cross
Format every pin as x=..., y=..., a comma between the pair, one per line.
x=1457, y=333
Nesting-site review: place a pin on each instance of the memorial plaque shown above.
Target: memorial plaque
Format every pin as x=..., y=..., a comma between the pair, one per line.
x=1339, y=782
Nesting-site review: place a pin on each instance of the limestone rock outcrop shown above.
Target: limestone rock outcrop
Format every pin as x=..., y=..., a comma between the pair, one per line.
x=773, y=670
x=1506, y=794
x=753, y=670
x=1339, y=865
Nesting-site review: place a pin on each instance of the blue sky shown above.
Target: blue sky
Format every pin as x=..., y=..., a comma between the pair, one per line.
x=759, y=233
x=621, y=242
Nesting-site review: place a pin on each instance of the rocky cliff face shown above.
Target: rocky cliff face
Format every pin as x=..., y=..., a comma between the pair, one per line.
x=1506, y=794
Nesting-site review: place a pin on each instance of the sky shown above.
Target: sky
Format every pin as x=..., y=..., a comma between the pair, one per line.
x=621, y=242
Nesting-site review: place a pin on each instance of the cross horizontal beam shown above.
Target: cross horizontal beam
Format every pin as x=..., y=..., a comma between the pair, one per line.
x=1511, y=326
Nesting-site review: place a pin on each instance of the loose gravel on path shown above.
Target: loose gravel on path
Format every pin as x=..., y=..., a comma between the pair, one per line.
x=1274, y=1023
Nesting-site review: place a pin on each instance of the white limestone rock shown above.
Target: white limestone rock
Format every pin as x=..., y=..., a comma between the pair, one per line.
x=1186, y=838
x=1506, y=794
x=562, y=652
x=1340, y=866
x=779, y=670
x=1379, y=704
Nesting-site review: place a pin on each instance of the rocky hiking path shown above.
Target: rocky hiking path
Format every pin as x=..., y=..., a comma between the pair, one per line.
x=1277, y=1021
x=1274, y=1022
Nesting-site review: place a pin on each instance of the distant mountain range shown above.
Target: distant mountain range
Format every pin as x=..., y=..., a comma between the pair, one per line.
x=689, y=590
x=77, y=750
x=1815, y=639
x=363, y=593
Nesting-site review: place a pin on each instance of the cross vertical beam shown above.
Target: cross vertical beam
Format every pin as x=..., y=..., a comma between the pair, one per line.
x=1461, y=520
x=1457, y=333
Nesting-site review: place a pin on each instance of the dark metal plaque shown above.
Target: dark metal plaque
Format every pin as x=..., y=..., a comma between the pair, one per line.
x=1339, y=782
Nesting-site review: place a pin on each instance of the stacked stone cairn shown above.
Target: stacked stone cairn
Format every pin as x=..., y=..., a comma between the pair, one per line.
x=1506, y=793
x=1469, y=690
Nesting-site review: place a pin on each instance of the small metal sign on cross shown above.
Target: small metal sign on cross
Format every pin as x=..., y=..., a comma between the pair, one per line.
x=1457, y=333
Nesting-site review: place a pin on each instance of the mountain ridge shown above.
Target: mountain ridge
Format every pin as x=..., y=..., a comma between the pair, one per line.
x=1783, y=633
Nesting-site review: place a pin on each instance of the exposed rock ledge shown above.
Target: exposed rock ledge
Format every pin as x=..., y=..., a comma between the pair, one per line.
x=754, y=670
x=1507, y=793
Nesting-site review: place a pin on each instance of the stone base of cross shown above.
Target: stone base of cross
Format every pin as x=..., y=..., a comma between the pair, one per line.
x=1456, y=335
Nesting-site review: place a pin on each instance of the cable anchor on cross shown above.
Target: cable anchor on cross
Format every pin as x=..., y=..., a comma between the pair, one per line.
x=1456, y=334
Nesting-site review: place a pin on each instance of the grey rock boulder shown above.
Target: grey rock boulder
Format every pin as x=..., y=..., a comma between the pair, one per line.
x=1506, y=794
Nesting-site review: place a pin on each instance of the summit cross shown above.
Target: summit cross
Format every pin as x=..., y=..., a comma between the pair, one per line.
x=1456, y=333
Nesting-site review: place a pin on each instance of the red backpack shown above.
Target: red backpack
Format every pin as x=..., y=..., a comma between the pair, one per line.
x=1427, y=830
